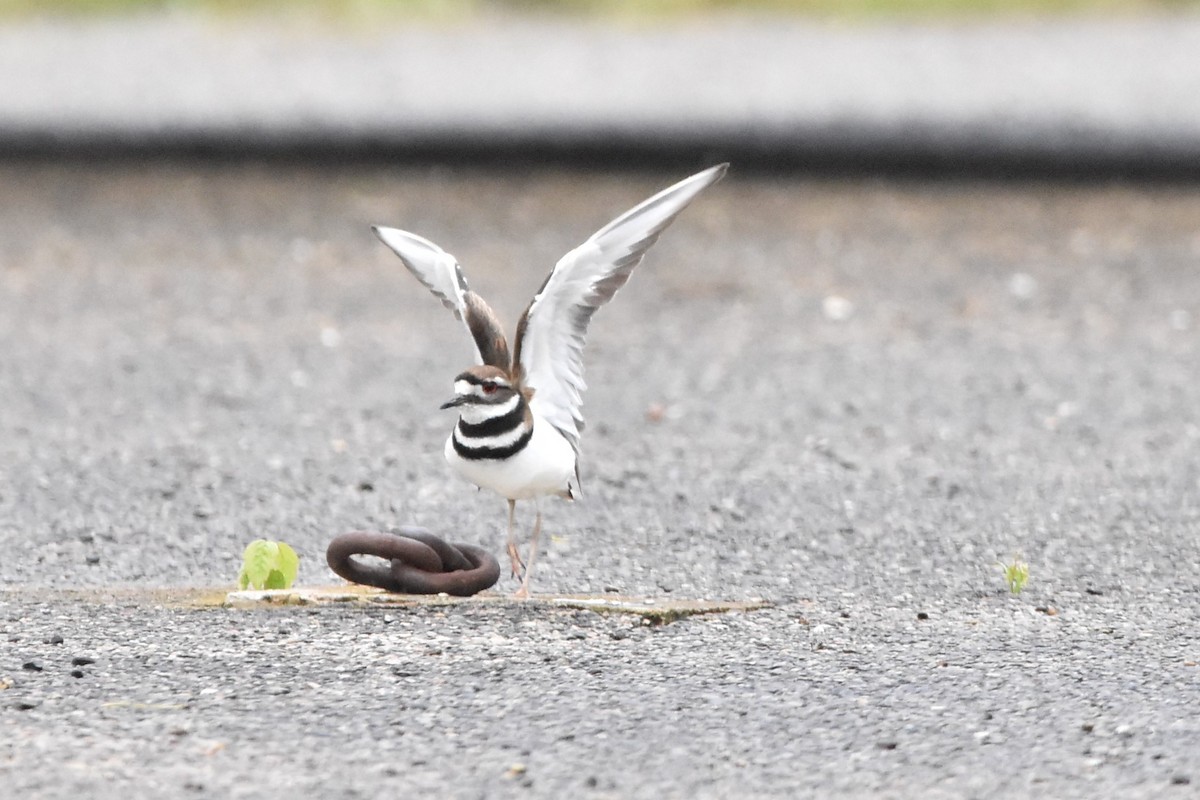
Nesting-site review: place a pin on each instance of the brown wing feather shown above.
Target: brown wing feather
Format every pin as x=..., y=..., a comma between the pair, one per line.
x=485, y=329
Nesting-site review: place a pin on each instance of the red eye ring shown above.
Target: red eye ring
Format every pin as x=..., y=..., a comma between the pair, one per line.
x=489, y=388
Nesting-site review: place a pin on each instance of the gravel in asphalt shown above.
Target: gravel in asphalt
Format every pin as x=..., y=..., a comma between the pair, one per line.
x=853, y=399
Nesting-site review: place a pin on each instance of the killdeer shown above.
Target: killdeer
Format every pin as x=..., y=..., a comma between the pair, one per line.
x=520, y=417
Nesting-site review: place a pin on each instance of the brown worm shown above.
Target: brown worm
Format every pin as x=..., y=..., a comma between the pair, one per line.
x=421, y=563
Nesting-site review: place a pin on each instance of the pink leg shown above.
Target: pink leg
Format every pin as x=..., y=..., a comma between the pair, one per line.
x=523, y=592
x=513, y=555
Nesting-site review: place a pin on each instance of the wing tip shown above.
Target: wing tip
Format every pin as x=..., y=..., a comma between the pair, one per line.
x=708, y=177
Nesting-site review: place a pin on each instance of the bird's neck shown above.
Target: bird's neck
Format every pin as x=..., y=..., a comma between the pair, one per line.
x=504, y=415
x=493, y=432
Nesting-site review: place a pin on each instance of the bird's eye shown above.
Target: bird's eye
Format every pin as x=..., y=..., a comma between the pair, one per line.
x=489, y=388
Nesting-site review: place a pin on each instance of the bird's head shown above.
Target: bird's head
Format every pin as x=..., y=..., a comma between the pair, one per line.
x=482, y=391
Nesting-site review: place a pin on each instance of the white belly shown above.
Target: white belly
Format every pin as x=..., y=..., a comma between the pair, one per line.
x=544, y=466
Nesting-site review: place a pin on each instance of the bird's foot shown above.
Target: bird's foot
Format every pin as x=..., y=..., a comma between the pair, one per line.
x=522, y=593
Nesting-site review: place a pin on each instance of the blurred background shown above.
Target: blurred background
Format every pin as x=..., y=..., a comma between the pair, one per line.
x=960, y=235
x=349, y=9
x=984, y=208
x=1026, y=87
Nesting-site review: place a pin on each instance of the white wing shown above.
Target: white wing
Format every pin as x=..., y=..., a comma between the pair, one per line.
x=551, y=334
x=440, y=273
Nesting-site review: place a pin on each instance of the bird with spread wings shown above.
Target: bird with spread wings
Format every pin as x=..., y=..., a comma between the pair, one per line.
x=542, y=378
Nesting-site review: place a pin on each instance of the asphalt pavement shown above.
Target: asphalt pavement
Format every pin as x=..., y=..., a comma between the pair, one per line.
x=852, y=399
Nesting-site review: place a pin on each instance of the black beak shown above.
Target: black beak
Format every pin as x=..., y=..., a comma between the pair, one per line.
x=457, y=401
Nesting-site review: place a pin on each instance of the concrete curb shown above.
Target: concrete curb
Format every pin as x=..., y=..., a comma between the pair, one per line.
x=1064, y=97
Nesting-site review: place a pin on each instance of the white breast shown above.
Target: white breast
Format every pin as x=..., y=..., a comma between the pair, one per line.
x=544, y=466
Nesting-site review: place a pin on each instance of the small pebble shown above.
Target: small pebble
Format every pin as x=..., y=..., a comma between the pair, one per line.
x=837, y=308
x=32, y=666
x=76, y=673
x=1022, y=285
x=82, y=661
x=1180, y=780
x=922, y=615
x=54, y=639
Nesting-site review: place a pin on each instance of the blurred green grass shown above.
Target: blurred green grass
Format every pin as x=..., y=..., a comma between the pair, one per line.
x=352, y=9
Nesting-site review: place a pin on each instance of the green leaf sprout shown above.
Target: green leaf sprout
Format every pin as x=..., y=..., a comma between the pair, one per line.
x=1016, y=575
x=268, y=565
